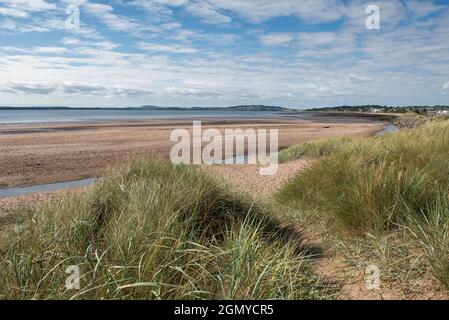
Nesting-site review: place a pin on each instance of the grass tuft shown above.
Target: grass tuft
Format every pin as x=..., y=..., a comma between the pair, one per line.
x=314, y=149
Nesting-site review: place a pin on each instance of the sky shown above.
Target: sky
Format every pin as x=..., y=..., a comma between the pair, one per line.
x=292, y=53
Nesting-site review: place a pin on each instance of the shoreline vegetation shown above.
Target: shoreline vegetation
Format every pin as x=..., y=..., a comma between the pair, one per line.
x=151, y=230
x=417, y=110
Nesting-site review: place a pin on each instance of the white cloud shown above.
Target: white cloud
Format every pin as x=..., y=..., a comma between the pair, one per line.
x=74, y=2
x=72, y=41
x=78, y=43
x=221, y=39
x=160, y=10
x=423, y=8
x=70, y=89
x=256, y=11
x=13, y=26
x=27, y=89
x=262, y=10
x=29, y=5
x=207, y=12
x=11, y=12
x=446, y=86
x=317, y=38
x=105, y=13
x=275, y=39
x=36, y=50
x=50, y=50
x=170, y=3
x=8, y=24
x=99, y=90
x=174, y=3
x=304, y=39
x=170, y=26
x=155, y=47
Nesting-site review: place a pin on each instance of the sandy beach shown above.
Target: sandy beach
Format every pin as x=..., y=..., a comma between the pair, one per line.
x=37, y=154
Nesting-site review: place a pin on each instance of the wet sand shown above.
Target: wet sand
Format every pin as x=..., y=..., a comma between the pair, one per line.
x=39, y=154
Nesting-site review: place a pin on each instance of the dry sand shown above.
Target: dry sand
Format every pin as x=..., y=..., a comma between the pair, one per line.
x=248, y=179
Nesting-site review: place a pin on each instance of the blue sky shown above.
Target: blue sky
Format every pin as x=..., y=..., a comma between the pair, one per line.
x=295, y=53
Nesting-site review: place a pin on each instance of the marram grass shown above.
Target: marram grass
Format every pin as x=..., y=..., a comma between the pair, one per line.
x=314, y=149
x=380, y=185
x=154, y=231
x=377, y=182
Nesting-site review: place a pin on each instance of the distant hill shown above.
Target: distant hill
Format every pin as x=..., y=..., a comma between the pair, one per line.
x=233, y=108
x=260, y=108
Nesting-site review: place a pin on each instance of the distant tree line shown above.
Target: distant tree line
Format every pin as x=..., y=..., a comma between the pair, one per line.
x=421, y=110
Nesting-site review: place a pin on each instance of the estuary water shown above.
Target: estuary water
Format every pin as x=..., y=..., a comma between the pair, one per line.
x=37, y=115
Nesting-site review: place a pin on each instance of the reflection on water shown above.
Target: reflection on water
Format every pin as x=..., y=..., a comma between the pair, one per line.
x=38, y=116
x=391, y=128
x=14, y=192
